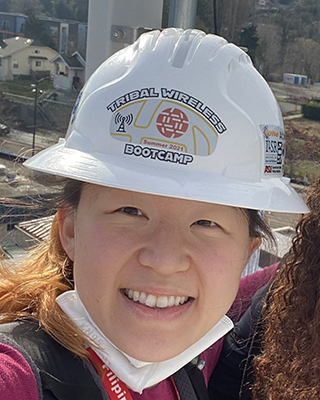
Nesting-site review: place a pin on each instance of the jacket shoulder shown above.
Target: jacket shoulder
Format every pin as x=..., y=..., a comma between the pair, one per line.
x=60, y=374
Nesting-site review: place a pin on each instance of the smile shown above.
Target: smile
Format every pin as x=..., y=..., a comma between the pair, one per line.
x=155, y=301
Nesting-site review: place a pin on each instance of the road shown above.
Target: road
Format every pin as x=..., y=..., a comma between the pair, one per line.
x=285, y=91
x=18, y=141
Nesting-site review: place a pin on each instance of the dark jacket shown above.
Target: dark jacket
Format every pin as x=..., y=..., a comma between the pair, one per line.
x=61, y=375
x=233, y=376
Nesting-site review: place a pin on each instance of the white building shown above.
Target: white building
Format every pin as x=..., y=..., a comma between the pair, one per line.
x=69, y=71
x=22, y=57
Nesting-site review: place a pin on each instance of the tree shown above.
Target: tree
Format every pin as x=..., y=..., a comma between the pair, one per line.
x=65, y=10
x=303, y=57
x=249, y=38
x=25, y=6
x=270, y=49
x=35, y=29
x=232, y=15
x=48, y=7
x=82, y=10
x=4, y=5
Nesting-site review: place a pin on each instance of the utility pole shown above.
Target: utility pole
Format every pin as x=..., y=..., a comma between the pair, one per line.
x=182, y=13
x=35, y=90
x=215, y=17
x=113, y=24
x=35, y=86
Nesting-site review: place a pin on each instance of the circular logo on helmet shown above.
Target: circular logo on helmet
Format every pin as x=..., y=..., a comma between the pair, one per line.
x=172, y=123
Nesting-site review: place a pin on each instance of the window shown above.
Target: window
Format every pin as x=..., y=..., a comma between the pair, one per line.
x=54, y=31
x=6, y=25
x=37, y=51
x=0, y=62
x=15, y=64
x=38, y=64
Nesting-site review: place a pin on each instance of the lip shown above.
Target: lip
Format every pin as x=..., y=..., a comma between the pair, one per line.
x=157, y=314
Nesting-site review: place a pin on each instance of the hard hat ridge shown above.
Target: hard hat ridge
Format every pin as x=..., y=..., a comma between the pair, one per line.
x=186, y=47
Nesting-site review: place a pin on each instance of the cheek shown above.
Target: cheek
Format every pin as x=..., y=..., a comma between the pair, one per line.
x=220, y=271
x=224, y=259
x=90, y=256
x=92, y=241
x=100, y=254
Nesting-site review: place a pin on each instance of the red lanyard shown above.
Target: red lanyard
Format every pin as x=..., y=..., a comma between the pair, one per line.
x=116, y=389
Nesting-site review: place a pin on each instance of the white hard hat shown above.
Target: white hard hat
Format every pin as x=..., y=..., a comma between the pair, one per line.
x=180, y=114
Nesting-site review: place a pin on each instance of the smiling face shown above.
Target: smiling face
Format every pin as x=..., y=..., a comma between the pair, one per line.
x=155, y=273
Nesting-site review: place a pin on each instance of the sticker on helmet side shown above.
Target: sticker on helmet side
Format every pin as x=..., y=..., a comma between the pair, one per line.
x=274, y=139
x=167, y=120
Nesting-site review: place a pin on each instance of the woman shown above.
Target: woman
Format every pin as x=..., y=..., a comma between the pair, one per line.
x=173, y=145
x=289, y=365
x=273, y=351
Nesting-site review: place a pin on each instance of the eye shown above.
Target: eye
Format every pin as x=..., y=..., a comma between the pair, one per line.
x=131, y=211
x=205, y=222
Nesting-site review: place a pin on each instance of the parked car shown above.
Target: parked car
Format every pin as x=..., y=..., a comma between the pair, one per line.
x=4, y=129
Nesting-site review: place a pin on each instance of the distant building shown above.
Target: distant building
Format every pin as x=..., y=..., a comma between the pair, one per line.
x=295, y=79
x=69, y=71
x=11, y=24
x=20, y=56
x=24, y=236
x=68, y=36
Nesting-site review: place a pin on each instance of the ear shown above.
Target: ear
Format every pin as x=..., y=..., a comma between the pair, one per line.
x=254, y=244
x=66, y=221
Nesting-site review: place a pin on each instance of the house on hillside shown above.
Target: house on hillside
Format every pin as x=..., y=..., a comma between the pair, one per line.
x=11, y=24
x=69, y=71
x=68, y=36
x=22, y=57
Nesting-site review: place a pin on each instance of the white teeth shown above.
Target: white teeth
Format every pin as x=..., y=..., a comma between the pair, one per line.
x=177, y=300
x=142, y=298
x=162, y=302
x=152, y=301
x=136, y=295
x=171, y=301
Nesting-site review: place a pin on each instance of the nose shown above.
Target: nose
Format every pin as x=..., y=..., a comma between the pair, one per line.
x=165, y=250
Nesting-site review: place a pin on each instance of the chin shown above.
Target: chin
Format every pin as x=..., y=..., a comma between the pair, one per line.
x=154, y=353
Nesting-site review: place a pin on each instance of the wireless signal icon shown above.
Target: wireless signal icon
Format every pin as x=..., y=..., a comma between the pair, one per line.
x=122, y=120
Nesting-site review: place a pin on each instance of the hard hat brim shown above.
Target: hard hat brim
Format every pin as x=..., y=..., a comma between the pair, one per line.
x=269, y=194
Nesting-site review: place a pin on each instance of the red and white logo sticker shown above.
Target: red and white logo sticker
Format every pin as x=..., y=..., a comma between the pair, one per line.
x=159, y=120
x=172, y=123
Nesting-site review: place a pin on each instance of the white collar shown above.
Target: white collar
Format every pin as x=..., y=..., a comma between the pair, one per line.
x=137, y=375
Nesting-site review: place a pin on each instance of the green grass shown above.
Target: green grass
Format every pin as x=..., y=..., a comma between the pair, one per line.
x=23, y=87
